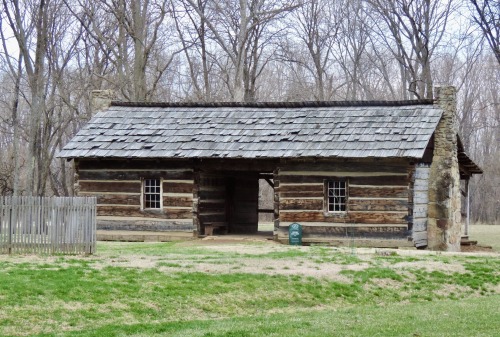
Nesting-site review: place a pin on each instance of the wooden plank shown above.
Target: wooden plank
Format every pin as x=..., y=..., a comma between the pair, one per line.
x=382, y=217
x=352, y=165
x=336, y=174
x=43, y=225
x=377, y=205
x=169, y=213
x=390, y=180
x=301, y=204
x=419, y=238
x=298, y=179
x=171, y=187
x=134, y=175
x=139, y=164
x=349, y=217
x=177, y=201
x=119, y=199
x=378, y=192
x=420, y=225
x=246, y=165
x=110, y=186
x=300, y=194
x=145, y=224
x=300, y=188
x=358, y=231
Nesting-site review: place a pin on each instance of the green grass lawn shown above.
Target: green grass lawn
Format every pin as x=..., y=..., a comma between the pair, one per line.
x=486, y=235
x=249, y=289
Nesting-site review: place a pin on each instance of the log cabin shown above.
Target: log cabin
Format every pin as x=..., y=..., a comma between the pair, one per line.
x=368, y=173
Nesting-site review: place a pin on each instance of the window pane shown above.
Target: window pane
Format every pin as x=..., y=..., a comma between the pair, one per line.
x=152, y=193
x=337, y=195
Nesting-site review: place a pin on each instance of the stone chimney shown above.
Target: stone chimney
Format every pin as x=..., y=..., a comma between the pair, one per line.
x=100, y=100
x=444, y=217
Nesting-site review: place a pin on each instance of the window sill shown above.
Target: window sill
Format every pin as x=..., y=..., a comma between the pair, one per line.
x=341, y=214
x=153, y=210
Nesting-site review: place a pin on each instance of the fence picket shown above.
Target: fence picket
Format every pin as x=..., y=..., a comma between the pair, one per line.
x=43, y=225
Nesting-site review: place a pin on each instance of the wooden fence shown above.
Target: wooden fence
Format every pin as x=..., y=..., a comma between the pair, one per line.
x=43, y=225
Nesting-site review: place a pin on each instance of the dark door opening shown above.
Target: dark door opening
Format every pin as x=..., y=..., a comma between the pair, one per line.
x=242, y=200
x=235, y=203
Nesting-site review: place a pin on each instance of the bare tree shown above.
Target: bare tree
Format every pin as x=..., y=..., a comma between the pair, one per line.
x=315, y=24
x=486, y=14
x=192, y=30
x=31, y=37
x=416, y=28
x=242, y=32
x=134, y=36
x=352, y=42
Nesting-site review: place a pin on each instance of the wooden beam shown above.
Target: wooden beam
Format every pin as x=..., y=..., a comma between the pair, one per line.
x=269, y=182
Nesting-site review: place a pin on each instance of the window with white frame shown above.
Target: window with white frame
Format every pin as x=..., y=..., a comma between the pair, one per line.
x=151, y=194
x=336, y=195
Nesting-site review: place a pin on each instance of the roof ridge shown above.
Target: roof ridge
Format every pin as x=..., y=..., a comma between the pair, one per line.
x=305, y=104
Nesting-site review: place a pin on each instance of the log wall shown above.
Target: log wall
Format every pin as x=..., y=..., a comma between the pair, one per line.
x=377, y=205
x=117, y=185
x=212, y=200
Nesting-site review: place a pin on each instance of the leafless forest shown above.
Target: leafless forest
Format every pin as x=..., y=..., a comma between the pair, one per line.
x=54, y=52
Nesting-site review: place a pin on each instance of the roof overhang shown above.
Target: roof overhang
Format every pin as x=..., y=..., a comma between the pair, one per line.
x=466, y=165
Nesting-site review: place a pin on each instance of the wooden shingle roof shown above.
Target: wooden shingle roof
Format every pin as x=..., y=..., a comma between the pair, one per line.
x=259, y=130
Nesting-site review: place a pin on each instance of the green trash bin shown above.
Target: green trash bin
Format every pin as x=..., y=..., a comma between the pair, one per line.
x=295, y=234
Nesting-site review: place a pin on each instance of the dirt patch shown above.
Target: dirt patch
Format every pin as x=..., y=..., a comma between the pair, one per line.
x=477, y=248
x=431, y=266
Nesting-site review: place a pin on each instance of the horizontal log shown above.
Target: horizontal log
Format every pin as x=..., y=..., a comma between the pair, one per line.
x=348, y=217
x=302, y=194
x=299, y=204
x=284, y=225
x=133, y=164
x=300, y=188
x=134, y=175
x=87, y=186
x=175, y=187
x=177, y=201
x=334, y=241
x=119, y=199
x=388, y=165
x=396, y=180
x=388, y=232
x=249, y=166
x=137, y=212
x=378, y=218
x=377, y=205
x=173, y=213
x=297, y=179
x=125, y=224
x=378, y=192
